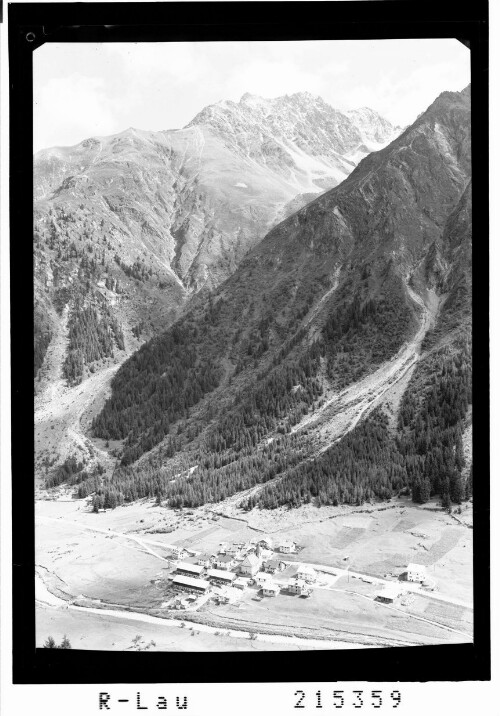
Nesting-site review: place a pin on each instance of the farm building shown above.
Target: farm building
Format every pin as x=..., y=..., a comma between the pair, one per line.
x=306, y=572
x=189, y=570
x=188, y=584
x=274, y=565
x=270, y=590
x=220, y=576
x=416, y=572
x=388, y=594
x=250, y=565
x=287, y=547
x=224, y=561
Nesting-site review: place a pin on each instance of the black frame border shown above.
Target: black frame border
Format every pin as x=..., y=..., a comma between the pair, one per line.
x=33, y=24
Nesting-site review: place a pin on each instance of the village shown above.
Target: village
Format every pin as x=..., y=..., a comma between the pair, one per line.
x=342, y=579
x=259, y=569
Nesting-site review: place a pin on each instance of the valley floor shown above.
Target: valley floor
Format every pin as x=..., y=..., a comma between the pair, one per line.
x=101, y=578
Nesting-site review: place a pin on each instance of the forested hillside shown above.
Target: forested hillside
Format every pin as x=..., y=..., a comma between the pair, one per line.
x=219, y=403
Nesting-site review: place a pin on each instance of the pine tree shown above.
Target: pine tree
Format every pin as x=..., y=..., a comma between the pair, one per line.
x=50, y=643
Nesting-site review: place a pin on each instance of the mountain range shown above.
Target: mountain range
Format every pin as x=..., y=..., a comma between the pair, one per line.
x=170, y=213
x=329, y=361
x=334, y=363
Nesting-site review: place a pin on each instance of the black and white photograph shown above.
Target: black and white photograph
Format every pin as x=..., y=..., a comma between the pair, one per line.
x=260, y=351
x=252, y=297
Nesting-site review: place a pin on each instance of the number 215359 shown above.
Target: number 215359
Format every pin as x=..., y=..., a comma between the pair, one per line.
x=340, y=699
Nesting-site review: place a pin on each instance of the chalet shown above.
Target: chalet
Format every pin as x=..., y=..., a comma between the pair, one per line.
x=188, y=584
x=270, y=590
x=416, y=572
x=306, y=572
x=250, y=565
x=189, y=570
x=274, y=565
x=224, y=561
x=287, y=547
x=220, y=576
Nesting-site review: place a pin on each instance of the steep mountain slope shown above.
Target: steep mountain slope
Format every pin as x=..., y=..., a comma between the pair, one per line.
x=330, y=309
x=127, y=228
x=196, y=199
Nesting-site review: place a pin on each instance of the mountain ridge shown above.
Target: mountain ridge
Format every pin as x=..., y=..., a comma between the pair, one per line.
x=330, y=299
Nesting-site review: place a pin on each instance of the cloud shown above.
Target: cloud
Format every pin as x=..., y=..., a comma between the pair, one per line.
x=67, y=110
x=172, y=60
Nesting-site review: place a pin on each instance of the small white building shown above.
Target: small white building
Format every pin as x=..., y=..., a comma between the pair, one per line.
x=287, y=547
x=306, y=572
x=416, y=572
x=262, y=578
x=297, y=586
x=388, y=593
x=178, y=552
x=204, y=560
x=270, y=590
x=250, y=565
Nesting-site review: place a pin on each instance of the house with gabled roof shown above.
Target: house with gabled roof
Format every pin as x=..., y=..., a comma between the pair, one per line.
x=224, y=561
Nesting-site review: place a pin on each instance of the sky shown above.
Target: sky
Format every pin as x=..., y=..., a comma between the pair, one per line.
x=95, y=89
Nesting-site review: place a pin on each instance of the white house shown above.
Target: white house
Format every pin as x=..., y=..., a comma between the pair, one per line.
x=287, y=547
x=306, y=572
x=416, y=572
x=204, y=560
x=250, y=565
x=225, y=561
x=270, y=589
x=262, y=578
x=178, y=552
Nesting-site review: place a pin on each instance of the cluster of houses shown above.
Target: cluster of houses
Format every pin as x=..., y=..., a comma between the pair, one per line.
x=235, y=567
